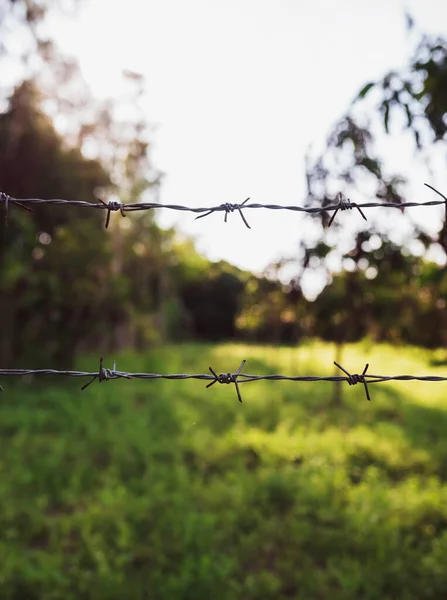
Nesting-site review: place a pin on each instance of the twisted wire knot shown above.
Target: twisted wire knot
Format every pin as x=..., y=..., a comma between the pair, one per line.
x=115, y=205
x=228, y=208
x=112, y=205
x=356, y=378
x=345, y=205
x=228, y=378
x=105, y=374
x=6, y=200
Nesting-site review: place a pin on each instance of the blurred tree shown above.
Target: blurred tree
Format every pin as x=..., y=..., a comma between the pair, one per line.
x=415, y=97
x=54, y=276
x=213, y=301
x=59, y=260
x=272, y=312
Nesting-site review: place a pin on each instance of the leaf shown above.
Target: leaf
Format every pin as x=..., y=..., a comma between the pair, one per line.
x=386, y=115
x=371, y=164
x=409, y=115
x=417, y=138
x=365, y=89
x=409, y=21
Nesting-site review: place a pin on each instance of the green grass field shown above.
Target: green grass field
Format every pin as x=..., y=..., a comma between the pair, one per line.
x=167, y=490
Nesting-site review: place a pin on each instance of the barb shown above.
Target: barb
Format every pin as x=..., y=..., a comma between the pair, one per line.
x=237, y=378
x=228, y=378
x=112, y=205
x=227, y=208
x=439, y=193
x=442, y=196
x=353, y=379
x=344, y=205
x=6, y=200
x=106, y=374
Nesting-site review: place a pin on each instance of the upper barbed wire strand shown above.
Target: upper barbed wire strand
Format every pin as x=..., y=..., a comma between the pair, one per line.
x=113, y=205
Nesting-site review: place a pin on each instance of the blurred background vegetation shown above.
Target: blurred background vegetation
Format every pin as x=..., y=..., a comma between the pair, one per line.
x=71, y=289
x=69, y=286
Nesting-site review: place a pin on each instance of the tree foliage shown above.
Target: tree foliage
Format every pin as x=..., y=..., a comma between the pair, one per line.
x=379, y=290
x=67, y=285
x=54, y=275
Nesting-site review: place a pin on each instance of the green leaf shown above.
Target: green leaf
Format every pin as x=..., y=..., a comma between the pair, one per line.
x=417, y=138
x=409, y=115
x=365, y=89
x=386, y=115
x=371, y=164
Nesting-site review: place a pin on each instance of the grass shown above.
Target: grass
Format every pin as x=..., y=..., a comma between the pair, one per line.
x=165, y=489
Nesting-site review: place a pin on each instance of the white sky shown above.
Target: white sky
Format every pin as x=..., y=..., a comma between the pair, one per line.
x=238, y=90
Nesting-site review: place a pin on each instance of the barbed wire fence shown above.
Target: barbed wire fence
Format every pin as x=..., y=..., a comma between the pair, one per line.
x=116, y=206
x=237, y=377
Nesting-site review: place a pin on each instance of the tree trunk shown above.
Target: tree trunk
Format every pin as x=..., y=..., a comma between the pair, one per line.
x=7, y=320
x=163, y=295
x=337, y=392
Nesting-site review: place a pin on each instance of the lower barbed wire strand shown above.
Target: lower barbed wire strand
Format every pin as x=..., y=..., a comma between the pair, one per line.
x=241, y=377
x=237, y=378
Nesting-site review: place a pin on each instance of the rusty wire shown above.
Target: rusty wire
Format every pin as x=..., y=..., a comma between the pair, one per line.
x=114, y=205
x=236, y=378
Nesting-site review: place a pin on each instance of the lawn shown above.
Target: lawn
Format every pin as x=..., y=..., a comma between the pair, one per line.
x=168, y=490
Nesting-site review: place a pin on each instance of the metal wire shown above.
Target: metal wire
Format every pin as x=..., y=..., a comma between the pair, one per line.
x=113, y=205
x=236, y=378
